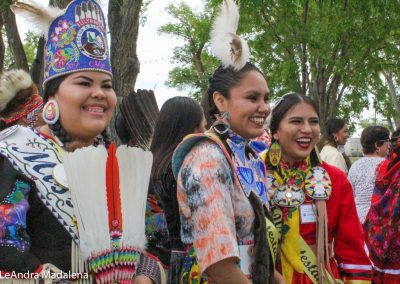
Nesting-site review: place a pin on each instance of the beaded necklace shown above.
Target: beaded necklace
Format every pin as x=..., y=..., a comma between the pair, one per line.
x=288, y=185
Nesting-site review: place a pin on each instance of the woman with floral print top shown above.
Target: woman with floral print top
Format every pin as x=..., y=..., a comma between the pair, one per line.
x=220, y=180
x=222, y=216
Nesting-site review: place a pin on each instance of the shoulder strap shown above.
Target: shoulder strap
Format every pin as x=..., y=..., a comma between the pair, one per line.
x=189, y=142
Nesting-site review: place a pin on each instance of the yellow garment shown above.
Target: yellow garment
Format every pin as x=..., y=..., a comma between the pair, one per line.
x=290, y=247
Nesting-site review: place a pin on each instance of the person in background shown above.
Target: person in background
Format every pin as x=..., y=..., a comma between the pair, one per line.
x=321, y=238
x=179, y=116
x=375, y=144
x=332, y=144
x=20, y=102
x=382, y=224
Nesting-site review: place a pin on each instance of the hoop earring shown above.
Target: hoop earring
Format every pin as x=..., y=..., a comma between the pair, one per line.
x=51, y=112
x=275, y=153
x=221, y=125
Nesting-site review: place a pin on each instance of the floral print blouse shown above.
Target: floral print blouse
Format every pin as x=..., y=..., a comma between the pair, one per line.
x=215, y=213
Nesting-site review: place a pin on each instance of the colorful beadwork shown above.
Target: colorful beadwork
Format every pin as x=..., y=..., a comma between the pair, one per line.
x=318, y=184
x=250, y=170
x=77, y=41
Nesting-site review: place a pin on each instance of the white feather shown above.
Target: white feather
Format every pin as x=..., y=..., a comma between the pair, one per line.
x=11, y=82
x=40, y=16
x=134, y=173
x=86, y=174
x=224, y=38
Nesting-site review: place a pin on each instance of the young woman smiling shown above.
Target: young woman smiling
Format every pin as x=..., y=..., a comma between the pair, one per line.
x=321, y=239
x=38, y=224
x=220, y=179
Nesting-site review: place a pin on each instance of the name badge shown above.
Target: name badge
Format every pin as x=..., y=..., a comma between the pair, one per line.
x=307, y=214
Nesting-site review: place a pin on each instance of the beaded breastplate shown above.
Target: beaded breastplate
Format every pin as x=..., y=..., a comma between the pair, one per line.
x=288, y=186
x=249, y=168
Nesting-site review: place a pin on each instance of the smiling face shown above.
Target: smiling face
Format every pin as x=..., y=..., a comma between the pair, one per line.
x=87, y=101
x=247, y=105
x=298, y=132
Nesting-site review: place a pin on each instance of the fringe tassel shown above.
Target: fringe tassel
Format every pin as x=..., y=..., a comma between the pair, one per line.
x=325, y=274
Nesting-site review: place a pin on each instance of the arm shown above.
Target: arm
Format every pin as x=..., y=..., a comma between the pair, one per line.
x=14, y=240
x=147, y=271
x=204, y=188
x=227, y=272
x=349, y=239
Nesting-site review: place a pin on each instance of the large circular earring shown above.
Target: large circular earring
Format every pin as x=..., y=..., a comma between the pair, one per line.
x=51, y=112
x=221, y=125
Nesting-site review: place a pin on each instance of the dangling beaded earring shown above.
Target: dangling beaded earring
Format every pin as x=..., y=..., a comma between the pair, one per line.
x=221, y=125
x=51, y=112
x=275, y=153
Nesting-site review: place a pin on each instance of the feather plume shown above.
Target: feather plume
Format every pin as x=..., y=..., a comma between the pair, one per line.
x=228, y=47
x=86, y=174
x=134, y=167
x=41, y=17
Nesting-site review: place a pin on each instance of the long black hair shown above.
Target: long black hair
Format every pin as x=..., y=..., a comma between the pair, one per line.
x=178, y=117
x=222, y=81
x=57, y=128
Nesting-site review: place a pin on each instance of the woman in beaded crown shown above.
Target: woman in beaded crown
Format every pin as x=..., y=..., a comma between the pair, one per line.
x=71, y=207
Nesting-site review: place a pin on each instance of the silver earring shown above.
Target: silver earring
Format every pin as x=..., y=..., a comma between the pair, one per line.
x=221, y=124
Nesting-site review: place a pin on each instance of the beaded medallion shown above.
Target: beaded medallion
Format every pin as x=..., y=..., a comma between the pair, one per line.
x=318, y=183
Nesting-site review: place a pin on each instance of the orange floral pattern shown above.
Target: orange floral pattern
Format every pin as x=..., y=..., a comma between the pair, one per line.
x=215, y=213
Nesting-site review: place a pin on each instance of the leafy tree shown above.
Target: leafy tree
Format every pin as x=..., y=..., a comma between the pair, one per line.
x=329, y=50
x=13, y=38
x=194, y=62
x=29, y=45
x=326, y=49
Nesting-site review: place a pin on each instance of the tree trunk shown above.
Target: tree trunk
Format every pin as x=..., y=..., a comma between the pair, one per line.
x=123, y=20
x=392, y=91
x=37, y=68
x=2, y=47
x=14, y=40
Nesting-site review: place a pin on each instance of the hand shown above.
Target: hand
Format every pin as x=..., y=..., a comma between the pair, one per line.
x=279, y=278
x=141, y=279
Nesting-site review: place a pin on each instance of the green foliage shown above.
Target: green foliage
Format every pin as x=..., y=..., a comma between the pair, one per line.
x=30, y=45
x=333, y=51
x=194, y=62
x=4, y=4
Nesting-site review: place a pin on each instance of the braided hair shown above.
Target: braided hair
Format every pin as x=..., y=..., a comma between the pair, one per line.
x=57, y=129
x=222, y=81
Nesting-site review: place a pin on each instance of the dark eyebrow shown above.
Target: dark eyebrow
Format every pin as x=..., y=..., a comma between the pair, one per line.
x=91, y=80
